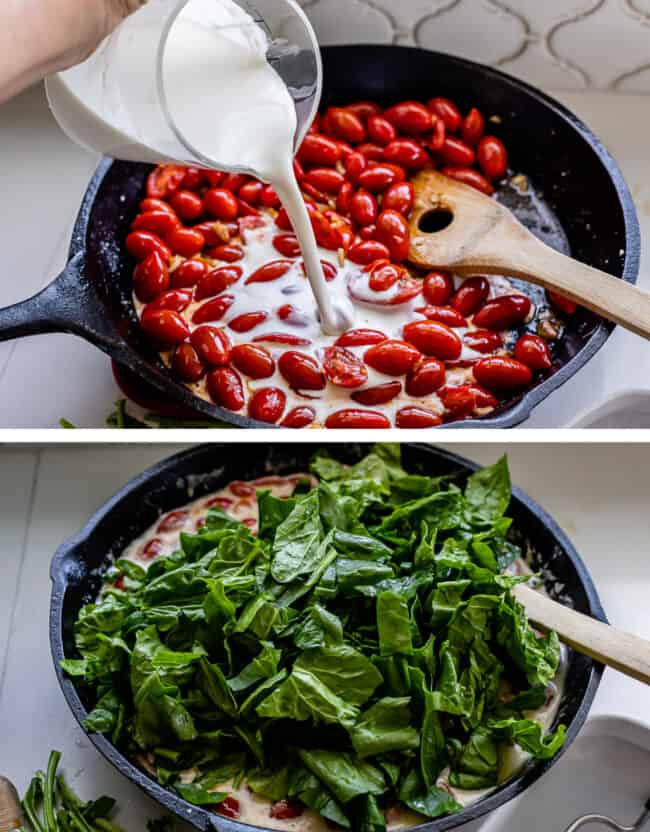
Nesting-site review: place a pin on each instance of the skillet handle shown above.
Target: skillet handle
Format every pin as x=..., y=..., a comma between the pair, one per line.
x=67, y=304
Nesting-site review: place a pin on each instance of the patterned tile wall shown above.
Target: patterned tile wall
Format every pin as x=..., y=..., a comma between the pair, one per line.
x=561, y=44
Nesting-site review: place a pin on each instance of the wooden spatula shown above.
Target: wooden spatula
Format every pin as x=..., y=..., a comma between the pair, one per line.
x=624, y=652
x=483, y=237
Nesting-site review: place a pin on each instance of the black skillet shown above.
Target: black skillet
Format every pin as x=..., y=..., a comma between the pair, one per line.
x=582, y=207
x=78, y=565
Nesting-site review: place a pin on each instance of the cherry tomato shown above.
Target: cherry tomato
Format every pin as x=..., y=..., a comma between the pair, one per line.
x=380, y=177
x=533, y=351
x=392, y=357
x=364, y=109
x=360, y=338
x=221, y=204
x=186, y=363
x=217, y=233
x=287, y=245
x=499, y=373
x=253, y=361
x=175, y=299
x=227, y=253
x=251, y=192
x=384, y=275
x=437, y=288
x=300, y=371
x=448, y=112
x=299, y=417
x=216, y=281
x=380, y=130
x=187, y=204
x=471, y=295
x=267, y=404
x=161, y=223
x=407, y=153
x=346, y=124
x=367, y=251
x=165, y=180
x=473, y=127
x=327, y=180
x=212, y=178
x=355, y=164
x=372, y=152
x=319, y=150
x=193, y=179
x=269, y=271
x=282, y=338
x=381, y=394
x=248, y=321
x=483, y=340
x=492, y=157
x=409, y=117
x=326, y=234
x=352, y=418
x=399, y=197
x=457, y=152
x=433, y=338
x=186, y=242
x=363, y=208
x=393, y=231
x=213, y=310
x=212, y=345
x=329, y=270
x=150, y=277
x=225, y=388
x=188, y=274
x=343, y=368
x=173, y=521
x=562, y=304
x=445, y=314
x=152, y=548
x=471, y=177
x=417, y=417
x=234, y=181
x=436, y=139
x=463, y=399
x=368, y=232
x=165, y=326
x=269, y=198
x=140, y=244
x=229, y=808
x=425, y=377
x=151, y=204
x=503, y=312
x=246, y=210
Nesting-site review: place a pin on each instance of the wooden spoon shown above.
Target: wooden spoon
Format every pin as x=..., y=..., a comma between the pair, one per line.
x=11, y=816
x=624, y=652
x=484, y=237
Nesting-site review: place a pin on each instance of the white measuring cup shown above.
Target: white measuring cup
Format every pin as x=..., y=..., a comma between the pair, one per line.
x=118, y=101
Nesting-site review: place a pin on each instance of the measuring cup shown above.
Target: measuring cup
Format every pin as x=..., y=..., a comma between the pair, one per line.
x=116, y=102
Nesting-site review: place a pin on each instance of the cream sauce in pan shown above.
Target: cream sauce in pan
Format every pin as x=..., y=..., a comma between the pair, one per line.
x=238, y=499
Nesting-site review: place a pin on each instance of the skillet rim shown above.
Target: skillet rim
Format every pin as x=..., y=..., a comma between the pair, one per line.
x=200, y=818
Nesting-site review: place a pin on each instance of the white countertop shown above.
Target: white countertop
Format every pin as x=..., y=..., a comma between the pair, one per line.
x=43, y=177
x=46, y=495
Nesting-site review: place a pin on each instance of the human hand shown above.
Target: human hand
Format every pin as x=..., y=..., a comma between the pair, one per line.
x=39, y=37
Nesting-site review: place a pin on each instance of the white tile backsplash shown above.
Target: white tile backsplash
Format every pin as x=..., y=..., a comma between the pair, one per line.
x=555, y=44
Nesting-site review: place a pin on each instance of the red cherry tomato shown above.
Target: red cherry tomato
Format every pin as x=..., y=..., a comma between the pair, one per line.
x=225, y=388
x=152, y=548
x=299, y=417
x=346, y=124
x=380, y=177
x=319, y=150
x=213, y=310
x=327, y=180
x=253, y=361
x=392, y=357
x=212, y=345
x=267, y=404
x=425, y=377
x=186, y=242
x=437, y=288
x=229, y=808
x=343, y=368
x=212, y=178
x=151, y=204
x=165, y=180
x=165, y=326
x=221, y=204
x=344, y=197
x=464, y=399
x=248, y=321
x=173, y=521
x=287, y=245
x=448, y=112
x=562, y=304
x=381, y=131
x=363, y=208
x=407, y=153
x=372, y=152
x=417, y=417
x=351, y=418
x=381, y=394
x=364, y=109
x=150, y=277
x=457, y=152
x=367, y=251
x=360, y=338
x=499, y=373
x=234, y=181
x=193, y=179
x=175, y=299
x=471, y=177
x=436, y=139
x=270, y=271
x=187, y=204
x=186, y=363
x=533, y=351
x=251, y=192
x=161, y=223
x=433, y=338
x=399, y=197
x=216, y=281
x=445, y=314
x=300, y=371
x=368, y=232
x=473, y=127
x=282, y=338
x=384, y=275
x=393, y=231
x=471, y=295
x=503, y=312
x=355, y=164
x=492, y=157
x=329, y=270
x=410, y=117
x=269, y=198
x=227, y=253
x=140, y=244
x=483, y=340
x=188, y=274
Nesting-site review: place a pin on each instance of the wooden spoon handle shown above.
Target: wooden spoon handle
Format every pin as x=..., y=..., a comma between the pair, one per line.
x=604, y=294
x=10, y=811
x=624, y=652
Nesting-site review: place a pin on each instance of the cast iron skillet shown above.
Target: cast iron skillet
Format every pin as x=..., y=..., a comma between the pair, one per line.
x=77, y=567
x=584, y=208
